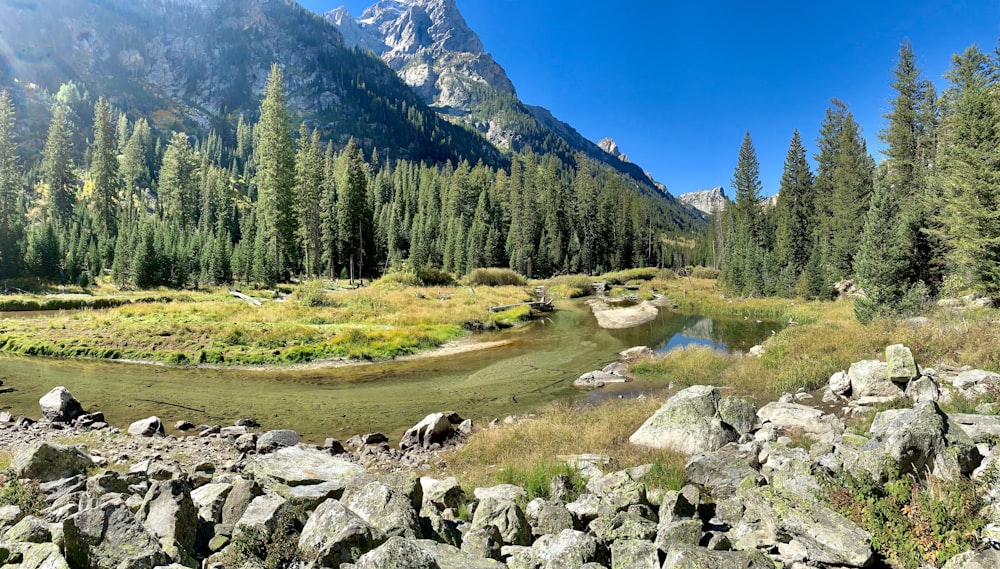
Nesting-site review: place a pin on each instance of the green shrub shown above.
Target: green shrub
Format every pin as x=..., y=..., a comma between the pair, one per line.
x=913, y=523
x=278, y=549
x=430, y=276
x=537, y=479
x=704, y=273
x=495, y=277
x=399, y=278
x=27, y=495
x=313, y=293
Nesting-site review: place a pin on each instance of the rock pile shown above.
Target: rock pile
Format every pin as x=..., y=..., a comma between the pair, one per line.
x=752, y=499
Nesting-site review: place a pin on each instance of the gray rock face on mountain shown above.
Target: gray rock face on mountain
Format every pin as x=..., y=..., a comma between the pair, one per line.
x=609, y=145
x=705, y=201
x=430, y=46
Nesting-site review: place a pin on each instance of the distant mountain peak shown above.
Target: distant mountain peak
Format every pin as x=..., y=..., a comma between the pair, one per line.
x=705, y=201
x=609, y=145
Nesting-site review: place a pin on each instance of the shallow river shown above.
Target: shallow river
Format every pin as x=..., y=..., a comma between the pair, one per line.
x=537, y=366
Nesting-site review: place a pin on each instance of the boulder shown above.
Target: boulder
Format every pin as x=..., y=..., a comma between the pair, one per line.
x=146, y=427
x=840, y=383
x=169, y=514
x=279, y=438
x=976, y=382
x=506, y=516
x=442, y=494
x=870, y=378
x=47, y=462
x=210, y=499
x=239, y=498
x=434, y=428
x=299, y=466
x=923, y=389
x=738, y=413
x=553, y=518
x=450, y=557
x=569, y=549
x=986, y=559
x=388, y=508
x=110, y=536
x=634, y=554
x=624, y=525
x=38, y=556
x=184, y=426
x=685, y=556
x=636, y=353
x=901, y=367
x=28, y=530
x=981, y=428
x=59, y=405
x=773, y=516
x=397, y=553
x=263, y=514
x=597, y=379
x=508, y=492
x=483, y=542
x=722, y=472
x=793, y=418
x=688, y=423
x=337, y=535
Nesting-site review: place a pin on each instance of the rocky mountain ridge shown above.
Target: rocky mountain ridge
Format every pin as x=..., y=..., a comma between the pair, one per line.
x=432, y=48
x=705, y=201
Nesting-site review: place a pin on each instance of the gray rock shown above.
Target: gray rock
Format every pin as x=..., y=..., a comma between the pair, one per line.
x=569, y=549
x=169, y=514
x=59, y=405
x=738, y=413
x=39, y=556
x=870, y=378
x=279, y=438
x=553, y=518
x=46, y=462
x=263, y=513
x=450, y=557
x=986, y=559
x=688, y=423
x=443, y=494
x=635, y=353
x=397, y=553
x=390, y=509
x=923, y=389
x=899, y=360
x=507, y=492
x=722, y=472
x=146, y=427
x=28, y=530
x=683, y=556
x=110, y=536
x=506, y=516
x=774, y=516
x=434, y=428
x=184, y=426
x=634, y=554
x=210, y=499
x=483, y=542
x=337, y=535
x=298, y=466
x=793, y=418
x=597, y=379
x=670, y=533
x=239, y=498
x=625, y=525
x=840, y=383
x=980, y=428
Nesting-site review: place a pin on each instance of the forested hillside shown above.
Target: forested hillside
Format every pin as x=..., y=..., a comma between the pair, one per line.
x=922, y=222
x=165, y=142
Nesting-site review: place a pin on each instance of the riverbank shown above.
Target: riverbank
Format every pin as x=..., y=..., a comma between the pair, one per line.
x=375, y=323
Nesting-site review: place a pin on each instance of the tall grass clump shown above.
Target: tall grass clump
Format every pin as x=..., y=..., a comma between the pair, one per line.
x=569, y=286
x=641, y=274
x=431, y=276
x=495, y=277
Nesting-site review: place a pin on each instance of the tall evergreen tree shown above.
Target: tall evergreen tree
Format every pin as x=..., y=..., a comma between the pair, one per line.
x=58, y=176
x=354, y=219
x=744, y=267
x=309, y=188
x=11, y=216
x=880, y=266
x=104, y=178
x=969, y=172
x=274, y=157
x=178, y=189
x=852, y=180
x=795, y=209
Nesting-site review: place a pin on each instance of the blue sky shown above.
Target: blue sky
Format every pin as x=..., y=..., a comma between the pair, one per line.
x=677, y=83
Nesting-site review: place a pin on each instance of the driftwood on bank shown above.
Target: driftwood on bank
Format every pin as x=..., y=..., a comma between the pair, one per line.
x=250, y=300
x=541, y=305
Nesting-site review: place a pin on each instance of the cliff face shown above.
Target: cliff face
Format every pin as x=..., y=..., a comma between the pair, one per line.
x=198, y=65
x=705, y=201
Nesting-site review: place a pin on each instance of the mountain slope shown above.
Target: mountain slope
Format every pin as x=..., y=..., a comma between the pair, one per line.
x=199, y=64
x=433, y=50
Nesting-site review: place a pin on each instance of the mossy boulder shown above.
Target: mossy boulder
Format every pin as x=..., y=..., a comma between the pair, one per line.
x=337, y=535
x=901, y=366
x=688, y=423
x=397, y=553
x=47, y=462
